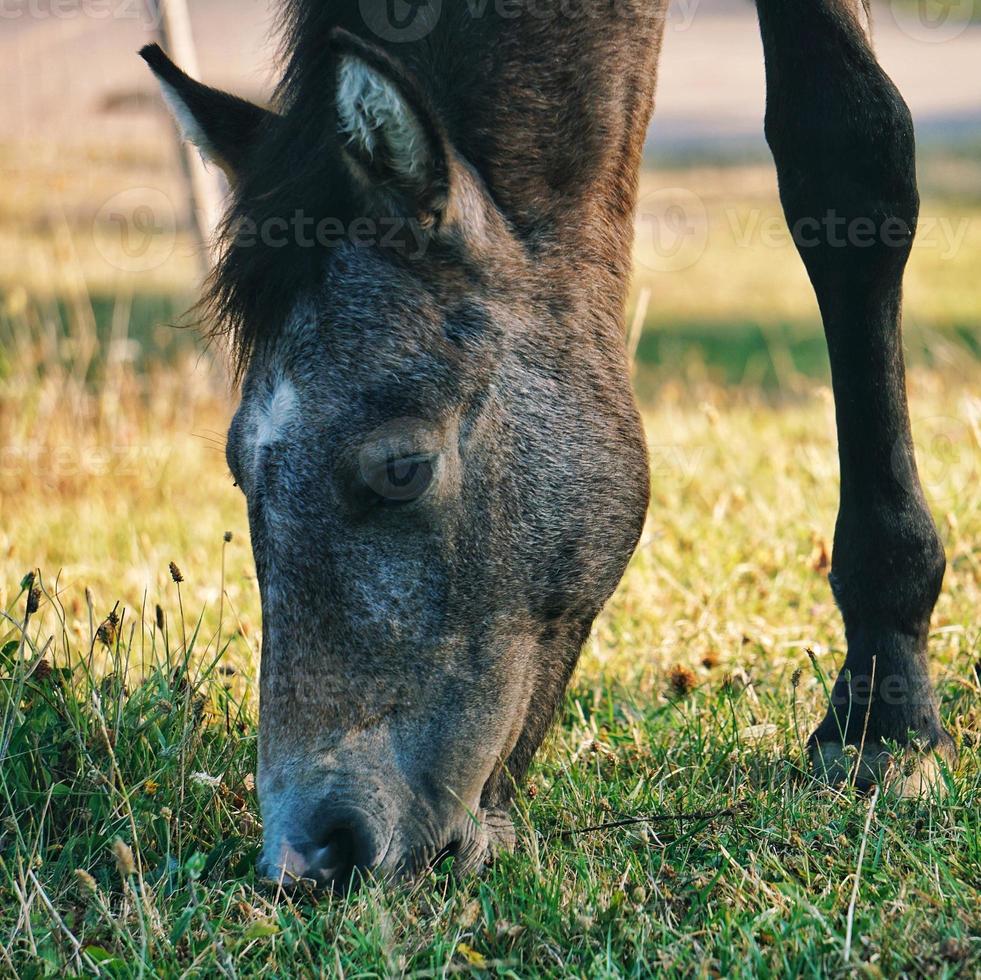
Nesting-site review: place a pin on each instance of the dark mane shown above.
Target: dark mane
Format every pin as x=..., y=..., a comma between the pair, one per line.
x=294, y=169
x=530, y=101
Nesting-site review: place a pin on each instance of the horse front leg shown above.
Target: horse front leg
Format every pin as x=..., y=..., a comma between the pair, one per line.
x=842, y=140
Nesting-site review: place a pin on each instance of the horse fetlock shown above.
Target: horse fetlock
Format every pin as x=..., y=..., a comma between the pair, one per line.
x=888, y=582
x=883, y=723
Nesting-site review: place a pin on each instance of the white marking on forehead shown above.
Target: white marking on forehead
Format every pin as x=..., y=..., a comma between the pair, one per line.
x=272, y=417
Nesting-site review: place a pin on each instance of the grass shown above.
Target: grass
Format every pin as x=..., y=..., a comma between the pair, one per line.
x=128, y=818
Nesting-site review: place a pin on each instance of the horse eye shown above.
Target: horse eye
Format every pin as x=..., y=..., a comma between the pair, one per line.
x=400, y=480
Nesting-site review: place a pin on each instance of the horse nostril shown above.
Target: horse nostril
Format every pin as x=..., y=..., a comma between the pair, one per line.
x=345, y=851
x=333, y=863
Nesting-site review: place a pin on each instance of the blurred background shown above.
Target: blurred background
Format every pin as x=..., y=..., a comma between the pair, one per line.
x=112, y=421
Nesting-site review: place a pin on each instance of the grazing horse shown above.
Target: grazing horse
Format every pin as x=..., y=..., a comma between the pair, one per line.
x=423, y=274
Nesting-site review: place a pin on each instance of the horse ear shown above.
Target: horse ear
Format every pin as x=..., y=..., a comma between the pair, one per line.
x=223, y=127
x=392, y=139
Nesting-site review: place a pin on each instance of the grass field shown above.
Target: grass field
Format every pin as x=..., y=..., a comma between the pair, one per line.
x=128, y=701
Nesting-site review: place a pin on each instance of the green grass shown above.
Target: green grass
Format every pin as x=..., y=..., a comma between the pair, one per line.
x=763, y=892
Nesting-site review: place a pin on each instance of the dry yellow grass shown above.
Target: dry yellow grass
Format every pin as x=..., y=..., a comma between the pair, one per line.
x=713, y=246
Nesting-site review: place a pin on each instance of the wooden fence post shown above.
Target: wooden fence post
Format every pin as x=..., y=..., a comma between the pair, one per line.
x=171, y=22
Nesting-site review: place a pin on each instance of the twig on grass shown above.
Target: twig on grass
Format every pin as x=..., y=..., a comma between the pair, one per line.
x=858, y=875
x=651, y=818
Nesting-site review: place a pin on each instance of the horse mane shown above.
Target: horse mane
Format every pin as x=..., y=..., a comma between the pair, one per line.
x=294, y=171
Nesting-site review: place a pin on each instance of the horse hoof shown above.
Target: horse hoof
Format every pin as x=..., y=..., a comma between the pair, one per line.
x=912, y=772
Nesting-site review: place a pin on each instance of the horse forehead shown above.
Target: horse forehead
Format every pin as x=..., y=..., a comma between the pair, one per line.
x=349, y=333
x=348, y=369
